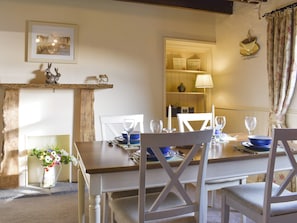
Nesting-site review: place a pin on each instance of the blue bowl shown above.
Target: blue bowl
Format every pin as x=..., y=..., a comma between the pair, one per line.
x=258, y=140
x=164, y=150
x=134, y=136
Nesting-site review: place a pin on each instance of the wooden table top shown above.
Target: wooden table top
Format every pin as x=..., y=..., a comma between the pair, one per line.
x=100, y=157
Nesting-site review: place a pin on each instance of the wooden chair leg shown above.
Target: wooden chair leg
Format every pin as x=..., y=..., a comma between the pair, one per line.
x=225, y=210
x=243, y=219
x=211, y=202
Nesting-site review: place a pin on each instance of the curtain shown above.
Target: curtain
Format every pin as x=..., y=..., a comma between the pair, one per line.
x=281, y=65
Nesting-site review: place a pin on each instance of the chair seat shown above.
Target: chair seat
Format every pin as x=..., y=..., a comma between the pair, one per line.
x=226, y=180
x=128, y=193
x=252, y=196
x=127, y=208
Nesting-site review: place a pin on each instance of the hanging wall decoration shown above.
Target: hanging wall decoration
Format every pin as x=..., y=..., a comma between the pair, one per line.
x=249, y=46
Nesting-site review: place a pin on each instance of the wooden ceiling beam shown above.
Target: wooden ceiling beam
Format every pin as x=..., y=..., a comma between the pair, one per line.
x=220, y=6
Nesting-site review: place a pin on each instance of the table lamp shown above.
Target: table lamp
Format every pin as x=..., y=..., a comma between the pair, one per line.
x=204, y=81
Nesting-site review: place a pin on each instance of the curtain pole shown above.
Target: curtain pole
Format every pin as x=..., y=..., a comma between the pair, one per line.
x=281, y=9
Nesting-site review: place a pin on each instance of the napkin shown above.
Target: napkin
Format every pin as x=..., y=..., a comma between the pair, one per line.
x=175, y=157
x=132, y=147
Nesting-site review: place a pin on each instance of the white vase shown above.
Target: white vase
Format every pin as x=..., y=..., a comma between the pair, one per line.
x=50, y=176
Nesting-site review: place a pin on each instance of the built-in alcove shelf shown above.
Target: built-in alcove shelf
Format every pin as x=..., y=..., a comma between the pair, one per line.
x=56, y=86
x=83, y=126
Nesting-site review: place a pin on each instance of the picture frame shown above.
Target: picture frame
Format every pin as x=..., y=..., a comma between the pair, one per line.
x=51, y=42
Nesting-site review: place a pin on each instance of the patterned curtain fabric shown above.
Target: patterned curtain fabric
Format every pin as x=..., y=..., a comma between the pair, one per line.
x=281, y=65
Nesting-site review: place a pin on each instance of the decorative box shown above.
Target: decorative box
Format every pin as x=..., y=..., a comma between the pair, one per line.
x=193, y=64
x=179, y=64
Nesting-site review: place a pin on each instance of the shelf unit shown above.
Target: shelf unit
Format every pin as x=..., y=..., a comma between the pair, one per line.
x=192, y=99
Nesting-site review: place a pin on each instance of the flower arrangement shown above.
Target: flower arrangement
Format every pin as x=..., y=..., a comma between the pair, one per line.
x=53, y=156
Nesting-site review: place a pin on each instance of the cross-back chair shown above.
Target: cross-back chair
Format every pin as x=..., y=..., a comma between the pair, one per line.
x=112, y=125
x=266, y=201
x=173, y=203
x=188, y=120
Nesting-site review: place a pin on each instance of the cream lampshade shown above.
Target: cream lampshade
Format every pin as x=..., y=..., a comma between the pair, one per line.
x=204, y=81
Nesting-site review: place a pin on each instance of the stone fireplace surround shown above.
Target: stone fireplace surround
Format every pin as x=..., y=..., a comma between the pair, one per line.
x=83, y=130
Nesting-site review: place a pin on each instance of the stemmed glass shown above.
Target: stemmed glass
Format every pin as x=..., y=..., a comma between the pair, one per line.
x=250, y=123
x=156, y=126
x=220, y=122
x=129, y=125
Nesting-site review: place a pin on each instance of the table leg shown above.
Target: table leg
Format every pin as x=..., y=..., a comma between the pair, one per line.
x=94, y=209
x=105, y=208
x=81, y=197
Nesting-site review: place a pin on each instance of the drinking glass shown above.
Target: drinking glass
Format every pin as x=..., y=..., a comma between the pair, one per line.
x=156, y=126
x=220, y=122
x=250, y=123
x=129, y=125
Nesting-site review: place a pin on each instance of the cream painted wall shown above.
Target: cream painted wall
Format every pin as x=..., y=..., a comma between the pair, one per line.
x=126, y=41
x=241, y=83
x=123, y=40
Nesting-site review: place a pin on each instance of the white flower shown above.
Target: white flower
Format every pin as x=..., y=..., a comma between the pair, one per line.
x=48, y=159
x=64, y=153
x=53, y=153
x=73, y=160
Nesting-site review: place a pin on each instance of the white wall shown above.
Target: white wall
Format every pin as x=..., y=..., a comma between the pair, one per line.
x=126, y=41
x=120, y=39
x=241, y=83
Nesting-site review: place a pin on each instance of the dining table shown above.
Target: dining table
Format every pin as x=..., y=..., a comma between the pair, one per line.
x=105, y=167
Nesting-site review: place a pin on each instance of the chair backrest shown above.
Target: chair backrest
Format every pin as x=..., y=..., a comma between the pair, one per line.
x=282, y=138
x=200, y=141
x=185, y=120
x=112, y=125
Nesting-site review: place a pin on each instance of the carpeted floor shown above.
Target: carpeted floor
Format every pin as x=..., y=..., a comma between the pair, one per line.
x=59, y=205
x=31, y=190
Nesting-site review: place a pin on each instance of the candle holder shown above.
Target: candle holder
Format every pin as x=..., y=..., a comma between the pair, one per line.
x=167, y=130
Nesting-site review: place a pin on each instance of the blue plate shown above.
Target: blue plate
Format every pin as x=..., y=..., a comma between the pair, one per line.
x=167, y=156
x=256, y=148
x=164, y=150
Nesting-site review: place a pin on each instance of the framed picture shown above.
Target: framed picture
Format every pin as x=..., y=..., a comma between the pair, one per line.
x=51, y=42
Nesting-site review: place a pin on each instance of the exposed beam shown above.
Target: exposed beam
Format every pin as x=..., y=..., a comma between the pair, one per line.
x=220, y=6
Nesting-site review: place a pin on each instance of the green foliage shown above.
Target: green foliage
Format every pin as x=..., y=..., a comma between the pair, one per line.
x=53, y=156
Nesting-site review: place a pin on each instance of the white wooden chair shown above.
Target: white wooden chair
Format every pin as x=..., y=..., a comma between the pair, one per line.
x=173, y=204
x=204, y=121
x=266, y=201
x=112, y=125
x=187, y=120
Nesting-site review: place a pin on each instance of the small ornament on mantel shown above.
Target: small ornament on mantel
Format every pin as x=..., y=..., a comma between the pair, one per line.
x=100, y=79
x=181, y=87
x=50, y=77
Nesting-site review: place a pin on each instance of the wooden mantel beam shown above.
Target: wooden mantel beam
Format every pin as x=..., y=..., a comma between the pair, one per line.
x=220, y=6
x=55, y=86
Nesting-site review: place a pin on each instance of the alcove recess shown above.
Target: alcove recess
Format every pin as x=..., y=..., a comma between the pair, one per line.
x=83, y=126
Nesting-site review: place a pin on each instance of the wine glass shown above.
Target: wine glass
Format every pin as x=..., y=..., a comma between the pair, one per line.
x=250, y=123
x=156, y=126
x=220, y=122
x=129, y=125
